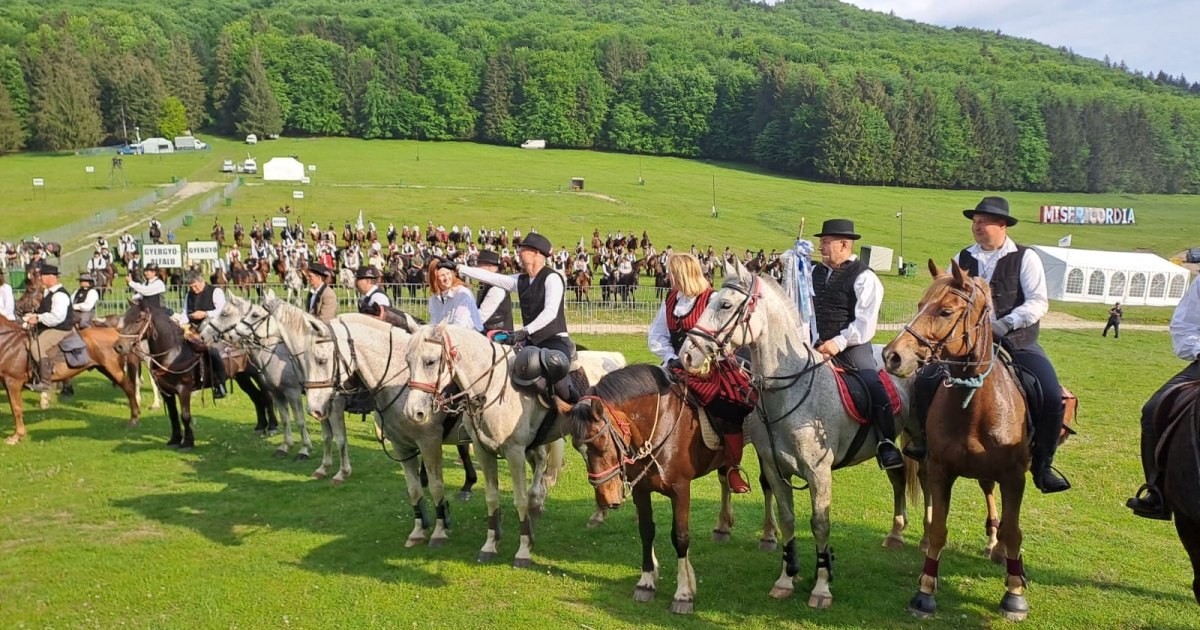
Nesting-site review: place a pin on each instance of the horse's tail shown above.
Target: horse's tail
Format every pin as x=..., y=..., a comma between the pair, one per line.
x=912, y=479
x=556, y=460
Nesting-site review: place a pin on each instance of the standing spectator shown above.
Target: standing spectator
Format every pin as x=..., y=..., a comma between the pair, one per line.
x=7, y=305
x=1114, y=321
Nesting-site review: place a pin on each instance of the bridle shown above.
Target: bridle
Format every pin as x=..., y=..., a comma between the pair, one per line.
x=448, y=368
x=973, y=379
x=617, y=427
x=739, y=318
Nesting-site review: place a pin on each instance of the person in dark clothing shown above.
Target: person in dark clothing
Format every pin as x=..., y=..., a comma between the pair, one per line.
x=1114, y=321
x=495, y=307
x=205, y=301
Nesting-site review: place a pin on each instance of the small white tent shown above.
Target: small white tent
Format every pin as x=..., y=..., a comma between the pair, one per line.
x=1131, y=278
x=157, y=145
x=283, y=169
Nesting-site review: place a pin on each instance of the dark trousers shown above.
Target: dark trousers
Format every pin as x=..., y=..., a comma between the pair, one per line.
x=1115, y=325
x=1149, y=434
x=218, y=366
x=861, y=358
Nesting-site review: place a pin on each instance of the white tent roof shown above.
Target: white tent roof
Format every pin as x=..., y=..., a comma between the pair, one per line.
x=1084, y=275
x=283, y=169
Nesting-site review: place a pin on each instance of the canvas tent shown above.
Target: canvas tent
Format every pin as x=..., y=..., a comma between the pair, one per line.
x=283, y=169
x=157, y=145
x=1131, y=278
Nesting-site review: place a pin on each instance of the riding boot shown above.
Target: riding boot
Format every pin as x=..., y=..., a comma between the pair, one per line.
x=917, y=447
x=734, y=442
x=43, y=377
x=218, y=373
x=886, y=453
x=564, y=391
x=1148, y=502
x=1045, y=477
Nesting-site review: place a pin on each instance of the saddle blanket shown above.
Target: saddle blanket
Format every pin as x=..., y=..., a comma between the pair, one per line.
x=855, y=397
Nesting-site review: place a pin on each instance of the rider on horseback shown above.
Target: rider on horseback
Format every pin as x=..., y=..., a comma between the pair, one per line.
x=52, y=323
x=1185, y=336
x=1020, y=300
x=84, y=301
x=541, y=293
x=322, y=303
x=451, y=300
x=847, y=300
x=205, y=301
x=150, y=291
x=374, y=300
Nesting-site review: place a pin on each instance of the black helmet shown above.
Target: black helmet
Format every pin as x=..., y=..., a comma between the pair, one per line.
x=555, y=365
x=528, y=367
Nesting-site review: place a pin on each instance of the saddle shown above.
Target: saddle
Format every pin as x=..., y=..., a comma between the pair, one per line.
x=579, y=383
x=1031, y=390
x=1170, y=413
x=857, y=399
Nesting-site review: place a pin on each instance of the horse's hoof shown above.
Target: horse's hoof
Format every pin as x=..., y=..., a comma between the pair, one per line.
x=537, y=510
x=924, y=546
x=280, y=454
x=318, y=474
x=643, y=593
x=13, y=439
x=1014, y=607
x=719, y=536
x=173, y=445
x=922, y=606
x=464, y=495
x=302, y=457
x=486, y=556
x=682, y=606
x=820, y=602
x=337, y=481
x=272, y=432
x=132, y=424
x=186, y=448
x=259, y=431
x=414, y=541
x=997, y=555
x=434, y=543
x=522, y=563
x=778, y=592
x=767, y=545
x=893, y=542
x=596, y=521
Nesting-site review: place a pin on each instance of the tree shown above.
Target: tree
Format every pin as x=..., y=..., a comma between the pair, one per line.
x=224, y=82
x=495, y=98
x=258, y=112
x=12, y=132
x=131, y=92
x=64, y=93
x=183, y=80
x=172, y=118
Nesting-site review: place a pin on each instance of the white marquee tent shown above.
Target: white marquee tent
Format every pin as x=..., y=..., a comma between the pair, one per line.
x=283, y=169
x=1084, y=275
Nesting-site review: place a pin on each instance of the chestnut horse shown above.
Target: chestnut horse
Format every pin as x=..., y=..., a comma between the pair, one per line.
x=636, y=428
x=976, y=426
x=14, y=368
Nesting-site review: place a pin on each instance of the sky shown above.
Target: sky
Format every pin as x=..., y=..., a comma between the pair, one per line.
x=1146, y=34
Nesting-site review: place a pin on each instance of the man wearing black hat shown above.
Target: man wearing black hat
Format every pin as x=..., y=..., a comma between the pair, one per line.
x=148, y=292
x=540, y=292
x=1020, y=300
x=373, y=300
x=495, y=307
x=322, y=303
x=205, y=301
x=52, y=323
x=84, y=301
x=847, y=300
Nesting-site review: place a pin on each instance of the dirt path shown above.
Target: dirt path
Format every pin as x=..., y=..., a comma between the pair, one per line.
x=191, y=189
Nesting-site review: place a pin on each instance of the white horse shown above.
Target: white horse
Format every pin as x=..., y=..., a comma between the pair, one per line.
x=294, y=284
x=806, y=432
x=346, y=278
x=502, y=421
x=274, y=361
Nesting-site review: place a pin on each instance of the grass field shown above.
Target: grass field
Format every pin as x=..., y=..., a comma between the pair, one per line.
x=102, y=527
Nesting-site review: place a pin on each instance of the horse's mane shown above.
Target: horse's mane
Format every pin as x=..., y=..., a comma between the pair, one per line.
x=620, y=386
x=291, y=318
x=769, y=284
x=166, y=330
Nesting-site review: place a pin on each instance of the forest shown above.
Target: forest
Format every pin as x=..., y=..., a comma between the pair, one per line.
x=813, y=88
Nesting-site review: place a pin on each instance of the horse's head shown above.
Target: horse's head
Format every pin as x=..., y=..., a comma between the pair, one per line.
x=322, y=369
x=225, y=324
x=953, y=321
x=136, y=325
x=432, y=358
x=731, y=320
x=592, y=426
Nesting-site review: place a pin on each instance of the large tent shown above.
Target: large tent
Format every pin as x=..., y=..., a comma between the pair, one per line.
x=1085, y=275
x=283, y=169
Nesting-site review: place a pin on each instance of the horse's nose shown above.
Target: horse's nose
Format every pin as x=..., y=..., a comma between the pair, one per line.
x=419, y=417
x=614, y=506
x=891, y=360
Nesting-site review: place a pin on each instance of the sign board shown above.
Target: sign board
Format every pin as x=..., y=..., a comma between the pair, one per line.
x=1087, y=216
x=305, y=180
x=312, y=168
x=279, y=222
x=202, y=250
x=38, y=181
x=165, y=256
x=89, y=169
x=298, y=194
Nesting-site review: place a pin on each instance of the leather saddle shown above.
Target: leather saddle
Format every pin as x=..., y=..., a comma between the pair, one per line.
x=1171, y=413
x=856, y=398
x=1031, y=389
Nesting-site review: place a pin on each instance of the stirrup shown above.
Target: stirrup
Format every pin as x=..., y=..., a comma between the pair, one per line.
x=738, y=470
x=1049, y=468
x=879, y=455
x=1138, y=503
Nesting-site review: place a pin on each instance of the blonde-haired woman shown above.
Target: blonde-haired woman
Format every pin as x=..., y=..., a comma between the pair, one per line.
x=451, y=300
x=726, y=394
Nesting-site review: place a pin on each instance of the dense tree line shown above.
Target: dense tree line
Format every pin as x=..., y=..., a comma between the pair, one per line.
x=810, y=87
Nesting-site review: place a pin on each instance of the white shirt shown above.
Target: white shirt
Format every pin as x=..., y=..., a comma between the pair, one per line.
x=457, y=307
x=1033, y=282
x=218, y=304
x=659, y=339
x=7, y=304
x=492, y=300
x=376, y=296
x=869, y=290
x=60, y=307
x=97, y=264
x=553, y=287
x=89, y=301
x=148, y=289
x=1185, y=324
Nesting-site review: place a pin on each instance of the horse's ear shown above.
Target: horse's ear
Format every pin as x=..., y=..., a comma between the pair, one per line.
x=933, y=269
x=270, y=295
x=743, y=274
x=960, y=276
x=440, y=330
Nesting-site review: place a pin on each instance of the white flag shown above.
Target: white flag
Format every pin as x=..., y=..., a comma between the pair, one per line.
x=360, y=221
x=1065, y=241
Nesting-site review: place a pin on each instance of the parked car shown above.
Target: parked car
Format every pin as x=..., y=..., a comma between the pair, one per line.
x=227, y=166
x=189, y=143
x=128, y=150
x=1193, y=255
x=250, y=166
x=251, y=139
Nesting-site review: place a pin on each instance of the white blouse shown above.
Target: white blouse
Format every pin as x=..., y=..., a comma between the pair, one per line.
x=456, y=306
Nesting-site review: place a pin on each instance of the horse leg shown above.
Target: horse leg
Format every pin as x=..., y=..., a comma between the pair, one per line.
x=173, y=413
x=431, y=453
x=770, y=529
x=15, y=387
x=517, y=461
x=725, y=516
x=293, y=399
x=1013, y=606
x=538, y=488
x=994, y=549
x=280, y=403
x=327, y=441
x=491, y=483
x=185, y=413
x=923, y=605
x=895, y=538
x=464, y=453
x=157, y=402
x=820, y=487
x=416, y=496
x=338, y=423
x=784, y=587
x=685, y=591
x=1189, y=535
x=927, y=515
x=117, y=374
x=648, y=584
x=68, y=390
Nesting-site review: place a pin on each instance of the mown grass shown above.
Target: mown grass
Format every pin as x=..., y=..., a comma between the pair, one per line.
x=101, y=526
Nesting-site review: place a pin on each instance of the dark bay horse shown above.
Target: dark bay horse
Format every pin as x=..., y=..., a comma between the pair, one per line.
x=636, y=428
x=1179, y=463
x=976, y=427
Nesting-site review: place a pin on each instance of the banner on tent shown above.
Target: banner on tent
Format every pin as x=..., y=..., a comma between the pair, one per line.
x=1087, y=216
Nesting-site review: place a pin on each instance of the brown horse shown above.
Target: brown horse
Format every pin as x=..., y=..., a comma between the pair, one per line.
x=976, y=427
x=14, y=368
x=1178, y=455
x=582, y=285
x=636, y=428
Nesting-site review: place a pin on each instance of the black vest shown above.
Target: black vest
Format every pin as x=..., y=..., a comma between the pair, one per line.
x=532, y=296
x=81, y=295
x=364, y=303
x=501, y=318
x=202, y=301
x=835, y=299
x=1006, y=291
x=46, y=305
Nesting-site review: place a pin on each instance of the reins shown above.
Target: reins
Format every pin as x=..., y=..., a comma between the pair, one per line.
x=617, y=427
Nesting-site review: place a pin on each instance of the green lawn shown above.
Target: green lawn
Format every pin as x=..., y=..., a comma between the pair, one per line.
x=103, y=527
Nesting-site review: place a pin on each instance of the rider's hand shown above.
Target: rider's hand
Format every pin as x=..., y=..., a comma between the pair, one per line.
x=517, y=336
x=829, y=348
x=675, y=364
x=1000, y=328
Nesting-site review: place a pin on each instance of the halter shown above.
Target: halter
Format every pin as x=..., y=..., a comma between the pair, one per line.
x=936, y=348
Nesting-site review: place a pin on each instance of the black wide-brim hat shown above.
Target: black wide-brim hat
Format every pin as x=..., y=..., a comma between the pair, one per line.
x=319, y=269
x=841, y=228
x=995, y=206
x=151, y=267
x=366, y=273
x=488, y=257
x=538, y=243
x=48, y=270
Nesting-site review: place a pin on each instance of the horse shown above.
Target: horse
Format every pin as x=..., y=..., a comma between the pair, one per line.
x=331, y=363
x=500, y=419
x=976, y=426
x=294, y=284
x=414, y=279
x=280, y=377
x=582, y=281
x=627, y=283
x=14, y=369
x=1178, y=455
x=801, y=427
x=635, y=428
x=218, y=235
x=133, y=364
